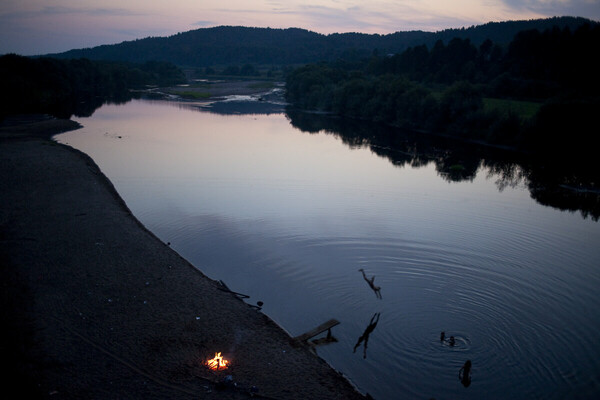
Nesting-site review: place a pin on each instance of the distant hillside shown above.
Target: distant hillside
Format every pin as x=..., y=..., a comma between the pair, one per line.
x=504, y=32
x=225, y=45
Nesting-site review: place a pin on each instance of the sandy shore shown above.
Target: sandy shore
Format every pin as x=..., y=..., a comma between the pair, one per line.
x=94, y=306
x=222, y=88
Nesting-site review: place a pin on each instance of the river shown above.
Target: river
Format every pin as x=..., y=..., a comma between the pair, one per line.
x=289, y=216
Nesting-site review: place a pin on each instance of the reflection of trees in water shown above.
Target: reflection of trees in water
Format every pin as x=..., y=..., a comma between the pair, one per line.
x=86, y=106
x=566, y=187
x=452, y=162
x=507, y=175
x=364, y=338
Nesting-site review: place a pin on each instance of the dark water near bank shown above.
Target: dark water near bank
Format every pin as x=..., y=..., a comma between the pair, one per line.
x=289, y=217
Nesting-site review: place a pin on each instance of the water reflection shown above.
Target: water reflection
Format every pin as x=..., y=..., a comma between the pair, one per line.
x=364, y=338
x=464, y=374
x=566, y=186
x=288, y=217
x=85, y=107
x=562, y=186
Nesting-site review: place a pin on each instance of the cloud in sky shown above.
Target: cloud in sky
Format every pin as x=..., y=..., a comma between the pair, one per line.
x=39, y=30
x=93, y=11
x=204, y=24
x=34, y=27
x=579, y=8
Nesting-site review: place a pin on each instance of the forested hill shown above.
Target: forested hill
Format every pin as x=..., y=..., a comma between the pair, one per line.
x=540, y=94
x=227, y=45
x=504, y=32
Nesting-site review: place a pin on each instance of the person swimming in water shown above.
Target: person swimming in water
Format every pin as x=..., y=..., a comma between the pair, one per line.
x=371, y=283
x=464, y=374
x=451, y=341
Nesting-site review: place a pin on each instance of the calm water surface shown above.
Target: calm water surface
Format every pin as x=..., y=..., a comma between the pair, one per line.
x=289, y=218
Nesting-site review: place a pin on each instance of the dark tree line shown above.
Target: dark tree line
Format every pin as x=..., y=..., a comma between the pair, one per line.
x=442, y=89
x=64, y=87
x=534, y=65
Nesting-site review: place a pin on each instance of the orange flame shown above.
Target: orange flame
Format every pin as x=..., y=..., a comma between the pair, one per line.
x=218, y=362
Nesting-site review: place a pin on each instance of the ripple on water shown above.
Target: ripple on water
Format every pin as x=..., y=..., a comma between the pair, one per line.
x=514, y=282
x=497, y=319
x=501, y=318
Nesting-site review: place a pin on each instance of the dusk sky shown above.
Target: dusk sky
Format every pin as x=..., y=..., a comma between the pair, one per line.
x=30, y=27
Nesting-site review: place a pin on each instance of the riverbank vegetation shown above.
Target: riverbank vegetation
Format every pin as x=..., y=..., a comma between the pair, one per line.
x=78, y=86
x=536, y=94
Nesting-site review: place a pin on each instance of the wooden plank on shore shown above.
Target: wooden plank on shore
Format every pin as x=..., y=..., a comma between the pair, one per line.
x=319, y=329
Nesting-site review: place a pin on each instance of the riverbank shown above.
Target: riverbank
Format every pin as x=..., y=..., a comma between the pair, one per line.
x=95, y=306
x=217, y=89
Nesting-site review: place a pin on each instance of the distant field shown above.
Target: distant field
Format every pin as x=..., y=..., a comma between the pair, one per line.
x=220, y=88
x=193, y=95
x=524, y=109
x=262, y=85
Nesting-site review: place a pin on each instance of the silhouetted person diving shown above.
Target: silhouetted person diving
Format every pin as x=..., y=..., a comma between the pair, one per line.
x=371, y=283
x=464, y=374
x=365, y=336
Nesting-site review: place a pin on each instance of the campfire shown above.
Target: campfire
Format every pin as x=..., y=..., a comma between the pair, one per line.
x=217, y=363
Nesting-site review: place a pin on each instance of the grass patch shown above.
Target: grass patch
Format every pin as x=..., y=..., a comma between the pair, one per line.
x=523, y=109
x=194, y=95
x=262, y=85
x=457, y=168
